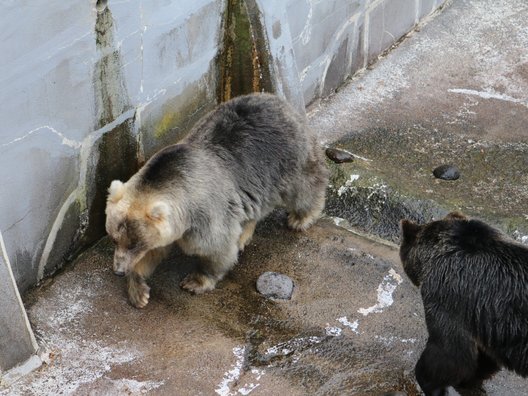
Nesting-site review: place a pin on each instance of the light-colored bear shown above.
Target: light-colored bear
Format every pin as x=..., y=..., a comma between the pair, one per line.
x=242, y=160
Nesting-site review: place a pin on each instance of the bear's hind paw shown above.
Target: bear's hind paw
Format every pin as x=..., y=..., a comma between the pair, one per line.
x=198, y=283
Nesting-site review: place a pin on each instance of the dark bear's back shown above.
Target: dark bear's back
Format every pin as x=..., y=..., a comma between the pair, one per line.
x=482, y=276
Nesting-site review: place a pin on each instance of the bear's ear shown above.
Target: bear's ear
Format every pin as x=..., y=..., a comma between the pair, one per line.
x=116, y=191
x=159, y=211
x=409, y=230
x=456, y=216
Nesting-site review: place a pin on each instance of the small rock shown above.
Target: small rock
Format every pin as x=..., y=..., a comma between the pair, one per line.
x=275, y=285
x=339, y=156
x=446, y=172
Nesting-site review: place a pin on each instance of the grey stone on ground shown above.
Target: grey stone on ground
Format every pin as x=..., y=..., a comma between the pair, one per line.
x=275, y=285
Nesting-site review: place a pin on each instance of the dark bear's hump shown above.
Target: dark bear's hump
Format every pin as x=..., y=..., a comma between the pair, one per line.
x=474, y=235
x=165, y=166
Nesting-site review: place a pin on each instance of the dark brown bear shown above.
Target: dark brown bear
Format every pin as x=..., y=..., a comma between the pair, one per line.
x=474, y=286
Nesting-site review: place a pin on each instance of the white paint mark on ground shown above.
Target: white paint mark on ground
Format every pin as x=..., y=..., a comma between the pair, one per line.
x=288, y=347
x=279, y=349
x=352, y=179
x=339, y=221
x=247, y=389
x=351, y=325
x=489, y=95
x=294, y=347
x=362, y=158
x=76, y=359
x=333, y=331
x=397, y=277
x=133, y=387
x=388, y=341
x=385, y=290
x=342, y=190
x=347, y=185
x=232, y=375
x=257, y=373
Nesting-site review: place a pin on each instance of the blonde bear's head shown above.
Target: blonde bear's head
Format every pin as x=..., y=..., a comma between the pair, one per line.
x=136, y=222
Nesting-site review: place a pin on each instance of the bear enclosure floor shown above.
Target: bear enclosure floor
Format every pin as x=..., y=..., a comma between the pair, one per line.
x=354, y=325
x=452, y=92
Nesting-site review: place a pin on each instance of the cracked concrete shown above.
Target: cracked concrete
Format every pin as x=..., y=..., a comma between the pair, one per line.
x=453, y=91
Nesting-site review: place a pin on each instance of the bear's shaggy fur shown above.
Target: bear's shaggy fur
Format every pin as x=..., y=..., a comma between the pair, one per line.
x=474, y=286
x=238, y=163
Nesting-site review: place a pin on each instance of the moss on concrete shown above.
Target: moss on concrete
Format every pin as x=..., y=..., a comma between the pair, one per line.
x=242, y=62
x=181, y=112
x=176, y=116
x=395, y=180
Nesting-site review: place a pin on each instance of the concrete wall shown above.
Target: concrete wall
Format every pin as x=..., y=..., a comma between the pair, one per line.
x=92, y=88
x=17, y=341
x=316, y=45
x=86, y=88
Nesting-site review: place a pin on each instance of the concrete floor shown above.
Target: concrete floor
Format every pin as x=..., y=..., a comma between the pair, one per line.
x=454, y=91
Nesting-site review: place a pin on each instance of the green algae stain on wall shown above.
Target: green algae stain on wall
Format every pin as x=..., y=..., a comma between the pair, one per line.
x=240, y=67
x=181, y=112
x=242, y=62
x=177, y=115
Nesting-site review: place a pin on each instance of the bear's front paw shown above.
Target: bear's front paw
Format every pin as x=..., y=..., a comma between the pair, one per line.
x=198, y=283
x=138, y=291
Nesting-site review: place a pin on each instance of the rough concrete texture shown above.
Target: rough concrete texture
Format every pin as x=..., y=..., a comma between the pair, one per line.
x=354, y=325
x=452, y=93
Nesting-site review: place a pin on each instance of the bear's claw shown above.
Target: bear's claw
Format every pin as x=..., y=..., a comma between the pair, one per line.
x=138, y=292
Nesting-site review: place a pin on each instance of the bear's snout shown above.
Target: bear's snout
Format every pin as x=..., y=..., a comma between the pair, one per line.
x=123, y=262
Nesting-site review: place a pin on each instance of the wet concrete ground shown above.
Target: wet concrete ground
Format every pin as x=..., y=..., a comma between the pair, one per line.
x=233, y=339
x=354, y=326
x=453, y=92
